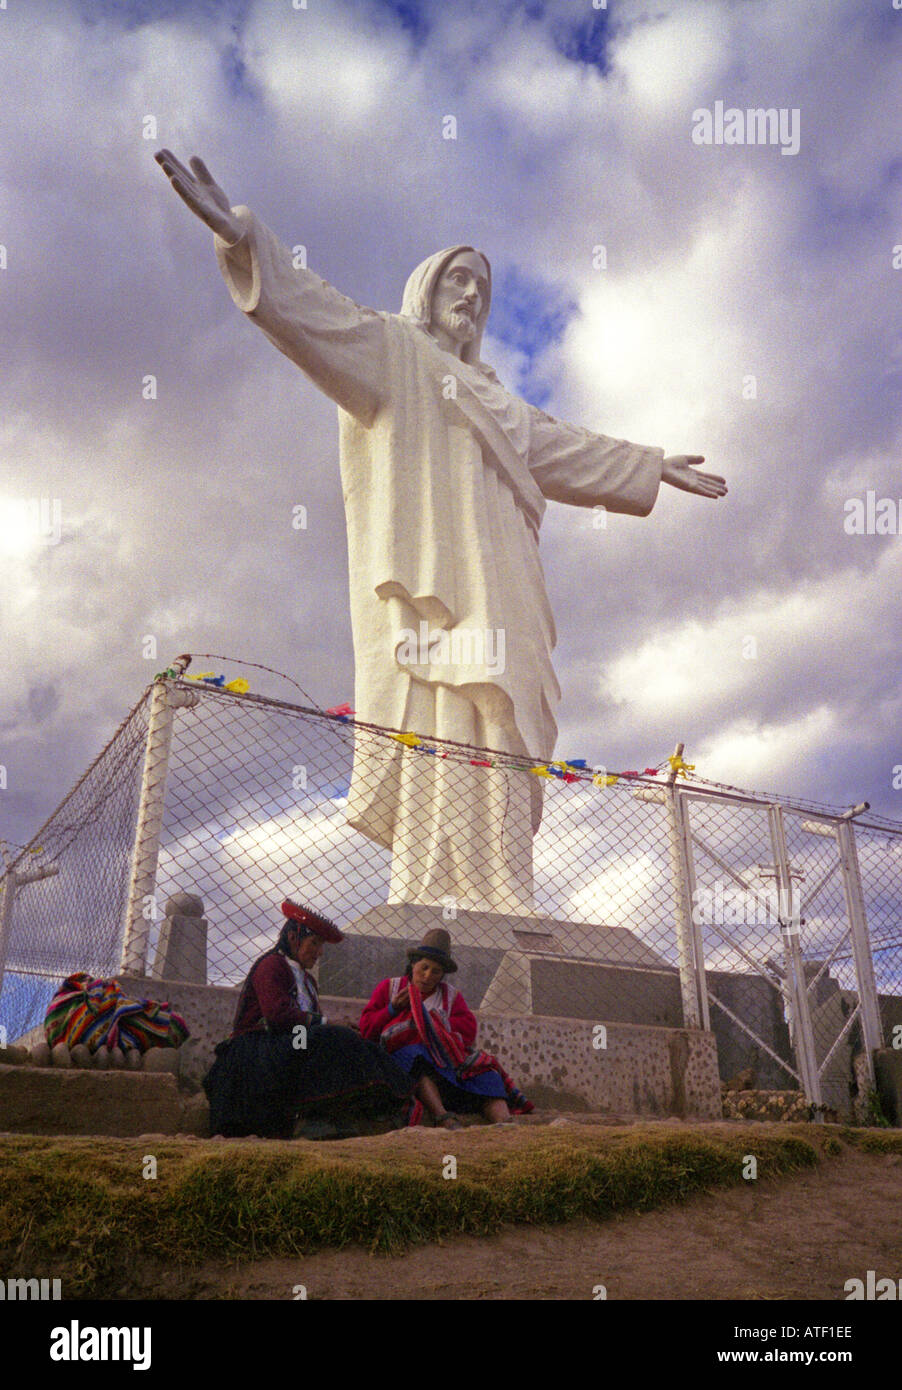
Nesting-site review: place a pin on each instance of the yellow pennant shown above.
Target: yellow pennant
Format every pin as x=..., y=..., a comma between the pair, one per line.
x=409, y=740
x=239, y=686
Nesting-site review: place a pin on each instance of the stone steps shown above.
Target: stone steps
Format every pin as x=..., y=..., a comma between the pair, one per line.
x=69, y=1100
x=158, y=1059
x=562, y=1064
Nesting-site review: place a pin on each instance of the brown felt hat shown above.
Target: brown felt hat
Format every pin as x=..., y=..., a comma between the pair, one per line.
x=314, y=922
x=436, y=945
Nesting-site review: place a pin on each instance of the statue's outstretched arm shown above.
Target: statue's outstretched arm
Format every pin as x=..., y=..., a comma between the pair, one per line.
x=337, y=343
x=203, y=195
x=585, y=469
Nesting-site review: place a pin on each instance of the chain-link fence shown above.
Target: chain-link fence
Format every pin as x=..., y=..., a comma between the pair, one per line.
x=568, y=891
x=63, y=899
x=785, y=941
x=880, y=859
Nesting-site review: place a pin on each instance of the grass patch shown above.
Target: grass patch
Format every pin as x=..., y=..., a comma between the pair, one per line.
x=871, y=1141
x=84, y=1201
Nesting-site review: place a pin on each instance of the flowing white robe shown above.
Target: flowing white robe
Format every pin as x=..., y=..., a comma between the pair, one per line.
x=445, y=476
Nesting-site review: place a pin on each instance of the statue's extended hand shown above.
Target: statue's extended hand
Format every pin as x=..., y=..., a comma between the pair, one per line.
x=202, y=194
x=679, y=471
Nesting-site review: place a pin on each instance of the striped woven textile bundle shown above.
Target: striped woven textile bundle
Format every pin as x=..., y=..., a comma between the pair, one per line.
x=97, y=1013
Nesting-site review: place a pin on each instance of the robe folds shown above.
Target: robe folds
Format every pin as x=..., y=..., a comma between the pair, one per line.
x=445, y=477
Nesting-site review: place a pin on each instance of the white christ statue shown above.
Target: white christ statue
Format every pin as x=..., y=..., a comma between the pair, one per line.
x=445, y=477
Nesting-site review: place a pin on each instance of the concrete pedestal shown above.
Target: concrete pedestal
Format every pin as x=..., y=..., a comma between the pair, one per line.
x=182, y=948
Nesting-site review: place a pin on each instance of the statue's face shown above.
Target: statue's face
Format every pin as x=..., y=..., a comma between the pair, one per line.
x=460, y=295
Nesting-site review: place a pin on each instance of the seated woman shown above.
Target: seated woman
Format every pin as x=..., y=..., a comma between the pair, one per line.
x=283, y=1060
x=426, y=1026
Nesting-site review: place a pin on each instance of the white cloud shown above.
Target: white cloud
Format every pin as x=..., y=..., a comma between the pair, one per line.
x=757, y=756
x=667, y=62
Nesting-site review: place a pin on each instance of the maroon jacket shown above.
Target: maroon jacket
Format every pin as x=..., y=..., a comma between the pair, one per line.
x=269, y=998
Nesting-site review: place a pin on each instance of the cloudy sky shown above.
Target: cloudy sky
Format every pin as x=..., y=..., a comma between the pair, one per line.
x=748, y=311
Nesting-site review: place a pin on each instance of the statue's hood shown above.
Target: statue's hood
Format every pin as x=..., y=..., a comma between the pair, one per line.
x=417, y=302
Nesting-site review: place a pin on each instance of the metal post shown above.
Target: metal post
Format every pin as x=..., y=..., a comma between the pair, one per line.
x=796, y=983
x=684, y=824
x=871, y=1027
x=694, y=995
x=146, y=853
x=12, y=882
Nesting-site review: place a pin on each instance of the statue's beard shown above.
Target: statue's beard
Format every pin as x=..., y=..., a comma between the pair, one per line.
x=459, y=324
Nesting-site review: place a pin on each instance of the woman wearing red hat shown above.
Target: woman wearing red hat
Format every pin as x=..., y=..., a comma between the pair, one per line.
x=283, y=1061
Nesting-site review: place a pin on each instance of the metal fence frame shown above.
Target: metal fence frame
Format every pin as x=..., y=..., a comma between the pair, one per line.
x=679, y=800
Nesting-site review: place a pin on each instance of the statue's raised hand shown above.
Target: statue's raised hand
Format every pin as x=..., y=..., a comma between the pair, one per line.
x=680, y=471
x=197, y=187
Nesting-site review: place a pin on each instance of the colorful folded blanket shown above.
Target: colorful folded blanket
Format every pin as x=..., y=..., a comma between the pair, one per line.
x=97, y=1013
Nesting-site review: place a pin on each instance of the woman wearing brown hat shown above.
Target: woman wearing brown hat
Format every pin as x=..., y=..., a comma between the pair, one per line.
x=283, y=1061
x=426, y=1026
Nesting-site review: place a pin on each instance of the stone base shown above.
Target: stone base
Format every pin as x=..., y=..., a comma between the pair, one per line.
x=642, y=1069
x=530, y=985
x=536, y=965
x=407, y=923
x=559, y=1063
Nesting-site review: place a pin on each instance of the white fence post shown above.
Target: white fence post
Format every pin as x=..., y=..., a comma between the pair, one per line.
x=145, y=856
x=800, y=1029
x=692, y=984
x=10, y=887
x=12, y=882
x=871, y=1027
x=684, y=826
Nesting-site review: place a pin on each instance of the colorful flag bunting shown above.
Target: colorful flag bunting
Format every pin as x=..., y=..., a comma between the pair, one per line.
x=565, y=770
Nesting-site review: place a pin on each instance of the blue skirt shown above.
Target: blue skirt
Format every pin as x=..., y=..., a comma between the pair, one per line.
x=461, y=1097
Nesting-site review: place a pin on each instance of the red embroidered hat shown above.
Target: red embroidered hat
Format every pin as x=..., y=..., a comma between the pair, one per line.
x=315, y=922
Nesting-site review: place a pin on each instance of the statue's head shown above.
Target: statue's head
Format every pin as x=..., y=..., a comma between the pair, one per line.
x=452, y=290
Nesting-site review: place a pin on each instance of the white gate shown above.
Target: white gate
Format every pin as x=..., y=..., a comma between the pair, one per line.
x=779, y=914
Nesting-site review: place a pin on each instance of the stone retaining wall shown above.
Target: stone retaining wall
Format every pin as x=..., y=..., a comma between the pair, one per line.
x=557, y=1062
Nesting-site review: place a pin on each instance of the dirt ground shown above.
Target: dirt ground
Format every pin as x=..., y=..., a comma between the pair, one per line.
x=800, y=1237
